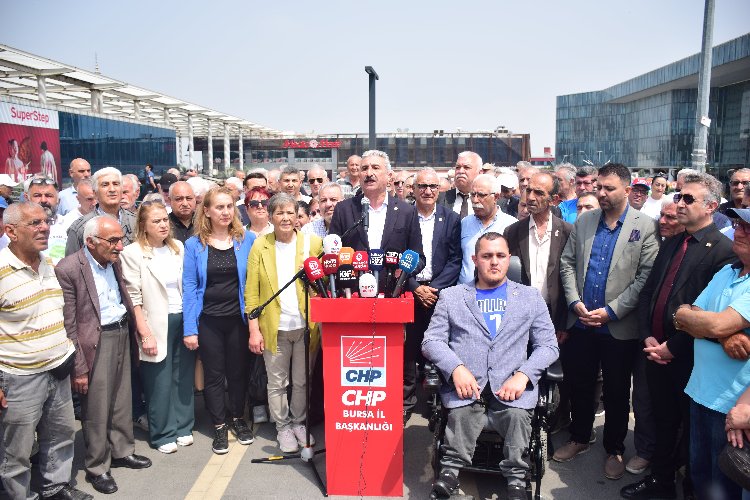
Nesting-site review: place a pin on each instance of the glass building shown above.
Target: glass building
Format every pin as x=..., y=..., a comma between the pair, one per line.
x=648, y=121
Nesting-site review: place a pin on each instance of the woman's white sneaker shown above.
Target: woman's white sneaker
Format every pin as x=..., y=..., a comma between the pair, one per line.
x=168, y=448
x=185, y=440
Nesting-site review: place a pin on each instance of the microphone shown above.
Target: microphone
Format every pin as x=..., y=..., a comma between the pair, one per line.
x=365, y=213
x=314, y=271
x=360, y=262
x=346, y=255
x=391, y=264
x=368, y=286
x=376, y=262
x=330, y=266
x=408, y=264
x=332, y=244
x=346, y=279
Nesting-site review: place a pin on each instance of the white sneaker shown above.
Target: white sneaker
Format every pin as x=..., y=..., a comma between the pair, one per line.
x=185, y=440
x=287, y=441
x=141, y=422
x=299, y=433
x=168, y=448
x=260, y=415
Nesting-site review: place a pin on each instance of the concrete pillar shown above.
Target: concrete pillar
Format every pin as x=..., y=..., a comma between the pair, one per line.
x=41, y=89
x=167, y=118
x=137, y=109
x=178, y=149
x=210, y=148
x=227, y=163
x=191, y=148
x=242, y=156
x=97, y=101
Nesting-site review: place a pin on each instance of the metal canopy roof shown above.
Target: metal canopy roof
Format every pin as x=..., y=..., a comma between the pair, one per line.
x=34, y=78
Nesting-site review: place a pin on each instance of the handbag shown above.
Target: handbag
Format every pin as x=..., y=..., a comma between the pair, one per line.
x=257, y=383
x=735, y=463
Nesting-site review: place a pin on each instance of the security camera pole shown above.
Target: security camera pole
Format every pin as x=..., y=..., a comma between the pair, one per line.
x=373, y=76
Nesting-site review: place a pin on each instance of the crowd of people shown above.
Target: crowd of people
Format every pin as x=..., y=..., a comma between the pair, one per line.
x=116, y=310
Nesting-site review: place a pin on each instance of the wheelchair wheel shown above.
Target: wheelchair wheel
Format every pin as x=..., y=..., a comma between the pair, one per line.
x=541, y=455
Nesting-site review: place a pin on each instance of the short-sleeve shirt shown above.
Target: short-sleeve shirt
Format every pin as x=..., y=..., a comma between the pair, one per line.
x=492, y=304
x=718, y=380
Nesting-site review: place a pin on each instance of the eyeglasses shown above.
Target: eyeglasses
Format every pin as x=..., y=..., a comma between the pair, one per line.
x=481, y=196
x=741, y=225
x=424, y=187
x=37, y=223
x=43, y=181
x=399, y=183
x=640, y=192
x=257, y=203
x=737, y=183
x=113, y=242
x=689, y=199
x=316, y=180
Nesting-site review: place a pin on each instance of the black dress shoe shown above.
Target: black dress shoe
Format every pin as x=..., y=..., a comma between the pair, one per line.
x=131, y=462
x=103, y=484
x=649, y=488
x=445, y=485
x=69, y=493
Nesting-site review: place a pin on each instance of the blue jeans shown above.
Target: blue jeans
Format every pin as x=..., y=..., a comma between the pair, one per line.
x=36, y=403
x=707, y=439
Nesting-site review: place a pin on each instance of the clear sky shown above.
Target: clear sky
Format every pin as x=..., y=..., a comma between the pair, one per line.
x=299, y=66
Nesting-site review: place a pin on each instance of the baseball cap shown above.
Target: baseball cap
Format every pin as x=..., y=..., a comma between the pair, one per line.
x=742, y=213
x=640, y=182
x=7, y=180
x=509, y=181
x=167, y=179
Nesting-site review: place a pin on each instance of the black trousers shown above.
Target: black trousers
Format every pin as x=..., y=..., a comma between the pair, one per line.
x=671, y=410
x=223, y=347
x=585, y=352
x=413, y=352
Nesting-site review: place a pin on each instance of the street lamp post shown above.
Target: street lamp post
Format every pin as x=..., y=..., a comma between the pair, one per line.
x=373, y=76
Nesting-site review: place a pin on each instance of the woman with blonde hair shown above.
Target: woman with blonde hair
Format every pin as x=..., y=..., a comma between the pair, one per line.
x=278, y=334
x=152, y=269
x=214, y=276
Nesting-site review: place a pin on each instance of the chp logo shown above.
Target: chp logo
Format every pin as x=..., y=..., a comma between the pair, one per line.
x=363, y=361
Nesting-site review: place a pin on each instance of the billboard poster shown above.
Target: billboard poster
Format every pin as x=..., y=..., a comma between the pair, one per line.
x=29, y=141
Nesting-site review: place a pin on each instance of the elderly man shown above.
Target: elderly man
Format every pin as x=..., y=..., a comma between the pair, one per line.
x=79, y=170
x=441, y=242
x=566, y=174
x=235, y=185
x=131, y=189
x=98, y=315
x=289, y=182
x=316, y=177
x=683, y=267
x=200, y=188
x=466, y=170
x=479, y=338
x=487, y=216
x=739, y=180
x=721, y=373
x=393, y=224
x=36, y=361
x=399, y=183
x=182, y=201
x=638, y=194
x=43, y=190
x=669, y=223
x=604, y=266
x=353, y=164
x=273, y=181
x=328, y=197
x=240, y=174
x=108, y=190
x=525, y=171
x=585, y=181
x=86, y=203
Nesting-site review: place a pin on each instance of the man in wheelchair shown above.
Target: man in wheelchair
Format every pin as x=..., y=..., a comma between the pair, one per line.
x=479, y=339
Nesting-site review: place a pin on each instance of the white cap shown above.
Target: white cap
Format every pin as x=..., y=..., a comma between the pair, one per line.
x=509, y=181
x=7, y=180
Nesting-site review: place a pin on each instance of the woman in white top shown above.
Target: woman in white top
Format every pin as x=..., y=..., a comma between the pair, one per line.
x=652, y=206
x=152, y=268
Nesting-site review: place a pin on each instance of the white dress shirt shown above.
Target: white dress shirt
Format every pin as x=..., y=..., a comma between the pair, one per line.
x=459, y=201
x=377, y=224
x=427, y=225
x=539, y=249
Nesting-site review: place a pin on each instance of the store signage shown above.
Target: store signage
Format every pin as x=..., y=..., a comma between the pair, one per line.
x=312, y=144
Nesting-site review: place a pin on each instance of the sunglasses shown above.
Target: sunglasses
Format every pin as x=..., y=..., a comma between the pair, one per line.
x=424, y=187
x=152, y=202
x=257, y=203
x=741, y=225
x=316, y=180
x=689, y=199
x=399, y=183
x=42, y=181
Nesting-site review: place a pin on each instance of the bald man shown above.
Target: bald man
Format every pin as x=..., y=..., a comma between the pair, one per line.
x=79, y=169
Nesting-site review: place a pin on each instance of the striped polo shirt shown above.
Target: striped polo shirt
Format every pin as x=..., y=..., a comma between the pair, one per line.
x=32, y=332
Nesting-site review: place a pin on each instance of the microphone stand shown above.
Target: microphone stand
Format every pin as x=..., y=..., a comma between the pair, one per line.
x=307, y=453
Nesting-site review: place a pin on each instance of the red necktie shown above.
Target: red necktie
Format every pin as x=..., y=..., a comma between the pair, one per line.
x=657, y=325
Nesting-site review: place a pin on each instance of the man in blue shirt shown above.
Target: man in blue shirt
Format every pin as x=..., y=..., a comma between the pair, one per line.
x=717, y=380
x=604, y=266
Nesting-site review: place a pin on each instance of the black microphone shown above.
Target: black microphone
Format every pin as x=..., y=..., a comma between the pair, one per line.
x=391, y=264
x=346, y=279
x=365, y=213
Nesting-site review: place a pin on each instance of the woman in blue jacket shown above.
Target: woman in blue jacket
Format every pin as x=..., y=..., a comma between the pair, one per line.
x=213, y=281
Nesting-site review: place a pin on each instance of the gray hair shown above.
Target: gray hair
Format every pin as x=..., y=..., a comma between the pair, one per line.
x=281, y=200
x=568, y=171
x=105, y=171
x=587, y=171
x=199, y=184
x=289, y=170
x=259, y=170
x=234, y=181
x=179, y=184
x=84, y=182
x=474, y=158
x=429, y=170
x=331, y=184
x=92, y=226
x=153, y=197
x=710, y=183
x=379, y=154
x=740, y=171
x=133, y=179
x=14, y=213
x=494, y=182
x=667, y=200
x=686, y=171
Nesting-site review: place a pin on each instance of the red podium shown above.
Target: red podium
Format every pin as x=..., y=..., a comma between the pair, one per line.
x=363, y=357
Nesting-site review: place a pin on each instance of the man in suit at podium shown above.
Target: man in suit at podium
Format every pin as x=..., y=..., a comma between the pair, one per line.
x=478, y=339
x=393, y=223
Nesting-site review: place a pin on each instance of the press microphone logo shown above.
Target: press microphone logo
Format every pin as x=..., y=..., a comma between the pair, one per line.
x=346, y=274
x=408, y=259
x=376, y=259
x=363, y=361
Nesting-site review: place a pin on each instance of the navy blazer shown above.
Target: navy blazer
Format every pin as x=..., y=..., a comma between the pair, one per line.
x=401, y=231
x=446, y=248
x=458, y=335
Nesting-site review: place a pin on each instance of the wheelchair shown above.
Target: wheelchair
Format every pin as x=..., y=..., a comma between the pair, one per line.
x=489, y=448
